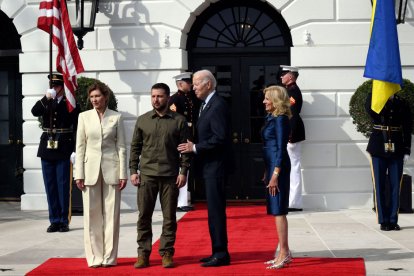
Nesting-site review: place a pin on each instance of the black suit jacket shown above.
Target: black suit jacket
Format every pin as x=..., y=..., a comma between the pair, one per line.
x=213, y=139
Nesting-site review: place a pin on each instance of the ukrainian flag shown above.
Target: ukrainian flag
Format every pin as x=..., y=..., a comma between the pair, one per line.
x=383, y=63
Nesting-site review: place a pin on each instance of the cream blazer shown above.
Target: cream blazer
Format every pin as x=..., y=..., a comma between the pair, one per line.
x=100, y=145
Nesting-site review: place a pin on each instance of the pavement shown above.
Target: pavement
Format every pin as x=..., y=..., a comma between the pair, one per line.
x=24, y=243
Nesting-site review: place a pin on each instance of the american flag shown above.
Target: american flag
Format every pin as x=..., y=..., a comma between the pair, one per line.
x=68, y=61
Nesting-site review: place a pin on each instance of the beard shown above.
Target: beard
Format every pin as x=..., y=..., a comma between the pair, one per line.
x=160, y=107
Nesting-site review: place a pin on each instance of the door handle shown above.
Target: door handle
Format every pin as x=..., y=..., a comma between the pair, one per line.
x=19, y=142
x=19, y=171
x=235, y=141
x=246, y=140
x=10, y=142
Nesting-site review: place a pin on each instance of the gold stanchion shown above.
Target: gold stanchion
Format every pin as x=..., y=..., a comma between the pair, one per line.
x=70, y=192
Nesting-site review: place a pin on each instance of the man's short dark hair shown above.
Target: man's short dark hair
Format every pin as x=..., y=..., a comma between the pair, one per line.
x=162, y=86
x=295, y=74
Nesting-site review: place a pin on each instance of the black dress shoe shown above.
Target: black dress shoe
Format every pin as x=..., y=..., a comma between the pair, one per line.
x=64, y=228
x=206, y=259
x=394, y=226
x=54, y=227
x=185, y=208
x=295, y=209
x=216, y=262
x=385, y=227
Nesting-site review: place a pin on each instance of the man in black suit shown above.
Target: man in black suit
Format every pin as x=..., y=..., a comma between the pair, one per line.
x=210, y=156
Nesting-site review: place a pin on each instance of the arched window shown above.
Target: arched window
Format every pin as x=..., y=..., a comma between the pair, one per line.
x=241, y=24
x=9, y=37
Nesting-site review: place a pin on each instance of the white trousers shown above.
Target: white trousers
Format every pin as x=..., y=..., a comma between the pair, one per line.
x=101, y=211
x=295, y=196
x=183, y=195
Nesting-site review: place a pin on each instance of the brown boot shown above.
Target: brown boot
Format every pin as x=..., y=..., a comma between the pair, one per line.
x=141, y=262
x=167, y=260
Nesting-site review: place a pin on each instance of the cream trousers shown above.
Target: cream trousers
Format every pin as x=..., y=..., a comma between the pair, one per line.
x=101, y=211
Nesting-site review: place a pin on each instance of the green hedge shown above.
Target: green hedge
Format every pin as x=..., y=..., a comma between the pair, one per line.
x=357, y=105
x=82, y=94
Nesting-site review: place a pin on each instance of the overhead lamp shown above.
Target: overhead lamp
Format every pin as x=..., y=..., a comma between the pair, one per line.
x=82, y=15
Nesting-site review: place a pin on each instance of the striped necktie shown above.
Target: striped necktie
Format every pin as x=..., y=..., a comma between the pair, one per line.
x=201, y=108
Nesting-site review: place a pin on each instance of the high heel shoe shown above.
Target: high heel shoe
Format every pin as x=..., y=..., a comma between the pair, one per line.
x=285, y=261
x=270, y=262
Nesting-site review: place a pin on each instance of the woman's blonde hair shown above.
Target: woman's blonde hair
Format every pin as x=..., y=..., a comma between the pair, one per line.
x=279, y=99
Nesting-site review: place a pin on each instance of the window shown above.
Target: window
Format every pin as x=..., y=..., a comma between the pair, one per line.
x=240, y=27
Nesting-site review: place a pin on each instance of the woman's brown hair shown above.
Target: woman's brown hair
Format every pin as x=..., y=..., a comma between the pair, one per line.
x=101, y=87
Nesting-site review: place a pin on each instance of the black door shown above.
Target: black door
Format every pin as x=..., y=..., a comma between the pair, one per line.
x=240, y=80
x=11, y=144
x=243, y=43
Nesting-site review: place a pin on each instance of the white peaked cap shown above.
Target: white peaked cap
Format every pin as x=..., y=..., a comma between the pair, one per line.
x=289, y=68
x=183, y=76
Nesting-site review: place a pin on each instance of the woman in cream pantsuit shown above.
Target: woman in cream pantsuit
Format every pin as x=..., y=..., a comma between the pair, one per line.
x=100, y=172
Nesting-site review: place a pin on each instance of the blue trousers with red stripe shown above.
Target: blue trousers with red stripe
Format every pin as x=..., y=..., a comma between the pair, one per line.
x=56, y=174
x=387, y=201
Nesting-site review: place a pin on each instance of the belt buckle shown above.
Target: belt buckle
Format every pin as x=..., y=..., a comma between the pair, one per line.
x=389, y=147
x=52, y=144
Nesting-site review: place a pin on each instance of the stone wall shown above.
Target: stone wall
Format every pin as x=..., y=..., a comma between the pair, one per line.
x=138, y=43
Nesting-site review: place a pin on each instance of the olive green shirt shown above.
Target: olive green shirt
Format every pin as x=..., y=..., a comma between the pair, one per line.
x=154, y=145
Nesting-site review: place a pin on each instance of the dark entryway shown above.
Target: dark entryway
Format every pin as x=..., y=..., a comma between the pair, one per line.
x=11, y=141
x=242, y=43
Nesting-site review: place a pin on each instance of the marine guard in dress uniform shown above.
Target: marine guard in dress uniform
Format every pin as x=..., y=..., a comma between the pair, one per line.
x=57, y=143
x=186, y=103
x=389, y=146
x=289, y=75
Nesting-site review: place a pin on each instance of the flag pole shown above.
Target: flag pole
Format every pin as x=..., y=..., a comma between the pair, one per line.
x=50, y=55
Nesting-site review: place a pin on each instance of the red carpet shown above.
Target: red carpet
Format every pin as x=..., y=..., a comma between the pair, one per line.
x=252, y=241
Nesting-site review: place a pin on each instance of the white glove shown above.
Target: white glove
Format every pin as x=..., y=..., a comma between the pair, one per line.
x=51, y=93
x=73, y=158
x=406, y=158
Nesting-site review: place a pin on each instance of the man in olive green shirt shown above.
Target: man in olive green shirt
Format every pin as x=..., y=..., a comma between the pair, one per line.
x=157, y=167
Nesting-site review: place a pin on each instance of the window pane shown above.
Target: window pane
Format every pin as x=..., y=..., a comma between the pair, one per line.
x=4, y=89
x=4, y=133
x=4, y=107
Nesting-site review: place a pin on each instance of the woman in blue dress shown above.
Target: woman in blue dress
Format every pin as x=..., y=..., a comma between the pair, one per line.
x=275, y=135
